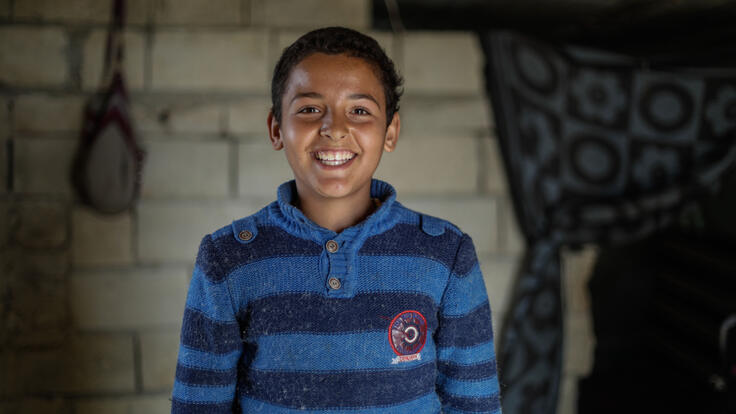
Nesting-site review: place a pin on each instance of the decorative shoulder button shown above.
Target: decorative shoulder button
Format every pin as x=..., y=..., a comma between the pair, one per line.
x=334, y=283
x=245, y=235
x=331, y=246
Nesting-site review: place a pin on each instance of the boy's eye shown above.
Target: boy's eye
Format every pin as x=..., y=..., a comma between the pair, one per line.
x=308, y=110
x=361, y=111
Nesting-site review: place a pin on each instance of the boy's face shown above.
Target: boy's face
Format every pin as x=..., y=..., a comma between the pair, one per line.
x=333, y=126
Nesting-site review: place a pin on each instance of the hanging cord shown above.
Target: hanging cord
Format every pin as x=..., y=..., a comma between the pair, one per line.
x=394, y=16
x=115, y=45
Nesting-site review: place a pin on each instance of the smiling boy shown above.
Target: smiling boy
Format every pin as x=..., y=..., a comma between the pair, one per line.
x=336, y=298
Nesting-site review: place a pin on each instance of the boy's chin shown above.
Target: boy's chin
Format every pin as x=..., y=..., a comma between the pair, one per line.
x=332, y=190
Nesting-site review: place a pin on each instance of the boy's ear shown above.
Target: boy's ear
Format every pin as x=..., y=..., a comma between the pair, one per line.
x=392, y=133
x=274, y=131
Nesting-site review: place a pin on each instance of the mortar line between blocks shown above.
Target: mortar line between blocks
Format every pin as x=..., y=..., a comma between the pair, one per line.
x=137, y=363
x=234, y=167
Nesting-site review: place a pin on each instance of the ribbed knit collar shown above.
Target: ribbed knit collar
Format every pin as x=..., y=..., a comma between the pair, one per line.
x=295, y=222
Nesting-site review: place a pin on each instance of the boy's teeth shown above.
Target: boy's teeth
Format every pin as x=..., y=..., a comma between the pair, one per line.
x=334, y=157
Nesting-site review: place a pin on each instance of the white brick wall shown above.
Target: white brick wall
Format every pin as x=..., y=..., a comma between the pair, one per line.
x=432, y=165
x=212, y=60
x=449, y=115
x=494, y=176
x=248, y=116
x=442, y=62
x=89, y=363
x=186, y=169
x=253, y=159
x=39, y=113
x=33, y=56
x=41, y=224
x=77, y=11
x=128, y=299
x=159, y=351
x=498, y=274
x=29, y=405
x=183, y=116
x=42, y=166
x=74, y=11
x=101, y=239
x=125, y=405
x=511, y=240
x=199, y=12
x=309, y=14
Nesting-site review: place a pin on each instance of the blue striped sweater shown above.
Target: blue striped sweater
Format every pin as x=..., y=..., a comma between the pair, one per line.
x=388, y=316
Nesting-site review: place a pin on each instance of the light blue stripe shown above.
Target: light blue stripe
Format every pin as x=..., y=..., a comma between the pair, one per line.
x=193, y=394
x=467, y=356
x=446, y=410
x=266, y=278
x=402, y=273
x=374, y=274
x=212, y=299
x=310, y=352
x=465, y=293
x=485, y=388
x=198, y=359
x=429, y=403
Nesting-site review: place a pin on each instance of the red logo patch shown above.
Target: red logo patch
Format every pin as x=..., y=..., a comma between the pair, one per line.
x=407, y=333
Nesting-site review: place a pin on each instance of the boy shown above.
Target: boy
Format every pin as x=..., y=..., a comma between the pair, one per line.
x=336, y=298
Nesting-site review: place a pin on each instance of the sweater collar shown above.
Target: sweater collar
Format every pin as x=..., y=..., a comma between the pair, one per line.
x=295, y=222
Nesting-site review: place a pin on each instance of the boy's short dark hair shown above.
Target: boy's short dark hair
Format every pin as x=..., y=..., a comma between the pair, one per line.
x=334, y=41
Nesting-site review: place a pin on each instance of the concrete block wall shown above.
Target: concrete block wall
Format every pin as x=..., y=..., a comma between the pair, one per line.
x=92, y=303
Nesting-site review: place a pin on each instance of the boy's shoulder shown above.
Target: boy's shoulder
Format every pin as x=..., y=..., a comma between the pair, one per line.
x=431, y=225
x=245, y=228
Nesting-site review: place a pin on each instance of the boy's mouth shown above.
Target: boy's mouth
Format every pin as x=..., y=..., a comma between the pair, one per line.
x=334, y=158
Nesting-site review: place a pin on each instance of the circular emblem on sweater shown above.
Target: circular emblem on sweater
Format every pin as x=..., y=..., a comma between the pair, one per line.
x=407, y=333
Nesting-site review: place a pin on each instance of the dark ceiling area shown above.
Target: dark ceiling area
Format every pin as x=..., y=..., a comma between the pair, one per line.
x=695, y=32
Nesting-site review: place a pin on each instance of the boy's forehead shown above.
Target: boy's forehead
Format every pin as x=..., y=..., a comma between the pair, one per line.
x=334, y=72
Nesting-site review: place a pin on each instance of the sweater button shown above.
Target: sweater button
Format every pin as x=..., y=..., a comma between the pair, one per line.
x=331, y=246
x=334, y=283
x=245, y=235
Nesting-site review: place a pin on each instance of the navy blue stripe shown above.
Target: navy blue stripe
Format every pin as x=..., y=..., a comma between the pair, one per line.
x=199, y=377
x=468, y=330
x=409, y=240
x=271, y=241
x=466, y=257
x=178, y=406
x=468, y=372
x=340, y=389
x=472, y=404
x=208, y=261
x=204, y=334
x=311, y=312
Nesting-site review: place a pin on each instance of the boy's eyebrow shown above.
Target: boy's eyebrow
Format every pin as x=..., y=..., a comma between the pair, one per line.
x=306, y=95
x=316, y=95
x=364, y=96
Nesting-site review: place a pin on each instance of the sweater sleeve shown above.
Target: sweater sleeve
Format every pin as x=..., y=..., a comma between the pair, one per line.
x=210, y=344
x=467, y=380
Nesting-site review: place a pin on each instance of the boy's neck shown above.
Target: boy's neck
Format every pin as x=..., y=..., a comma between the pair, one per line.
x=337, y=214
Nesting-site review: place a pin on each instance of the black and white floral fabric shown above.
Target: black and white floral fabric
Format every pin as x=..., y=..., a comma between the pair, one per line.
x=598, y=148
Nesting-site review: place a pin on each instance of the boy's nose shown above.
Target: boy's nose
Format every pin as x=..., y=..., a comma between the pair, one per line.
x=333, y=128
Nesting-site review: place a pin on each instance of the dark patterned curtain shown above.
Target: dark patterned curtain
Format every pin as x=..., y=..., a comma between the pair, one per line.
x=598, y=148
